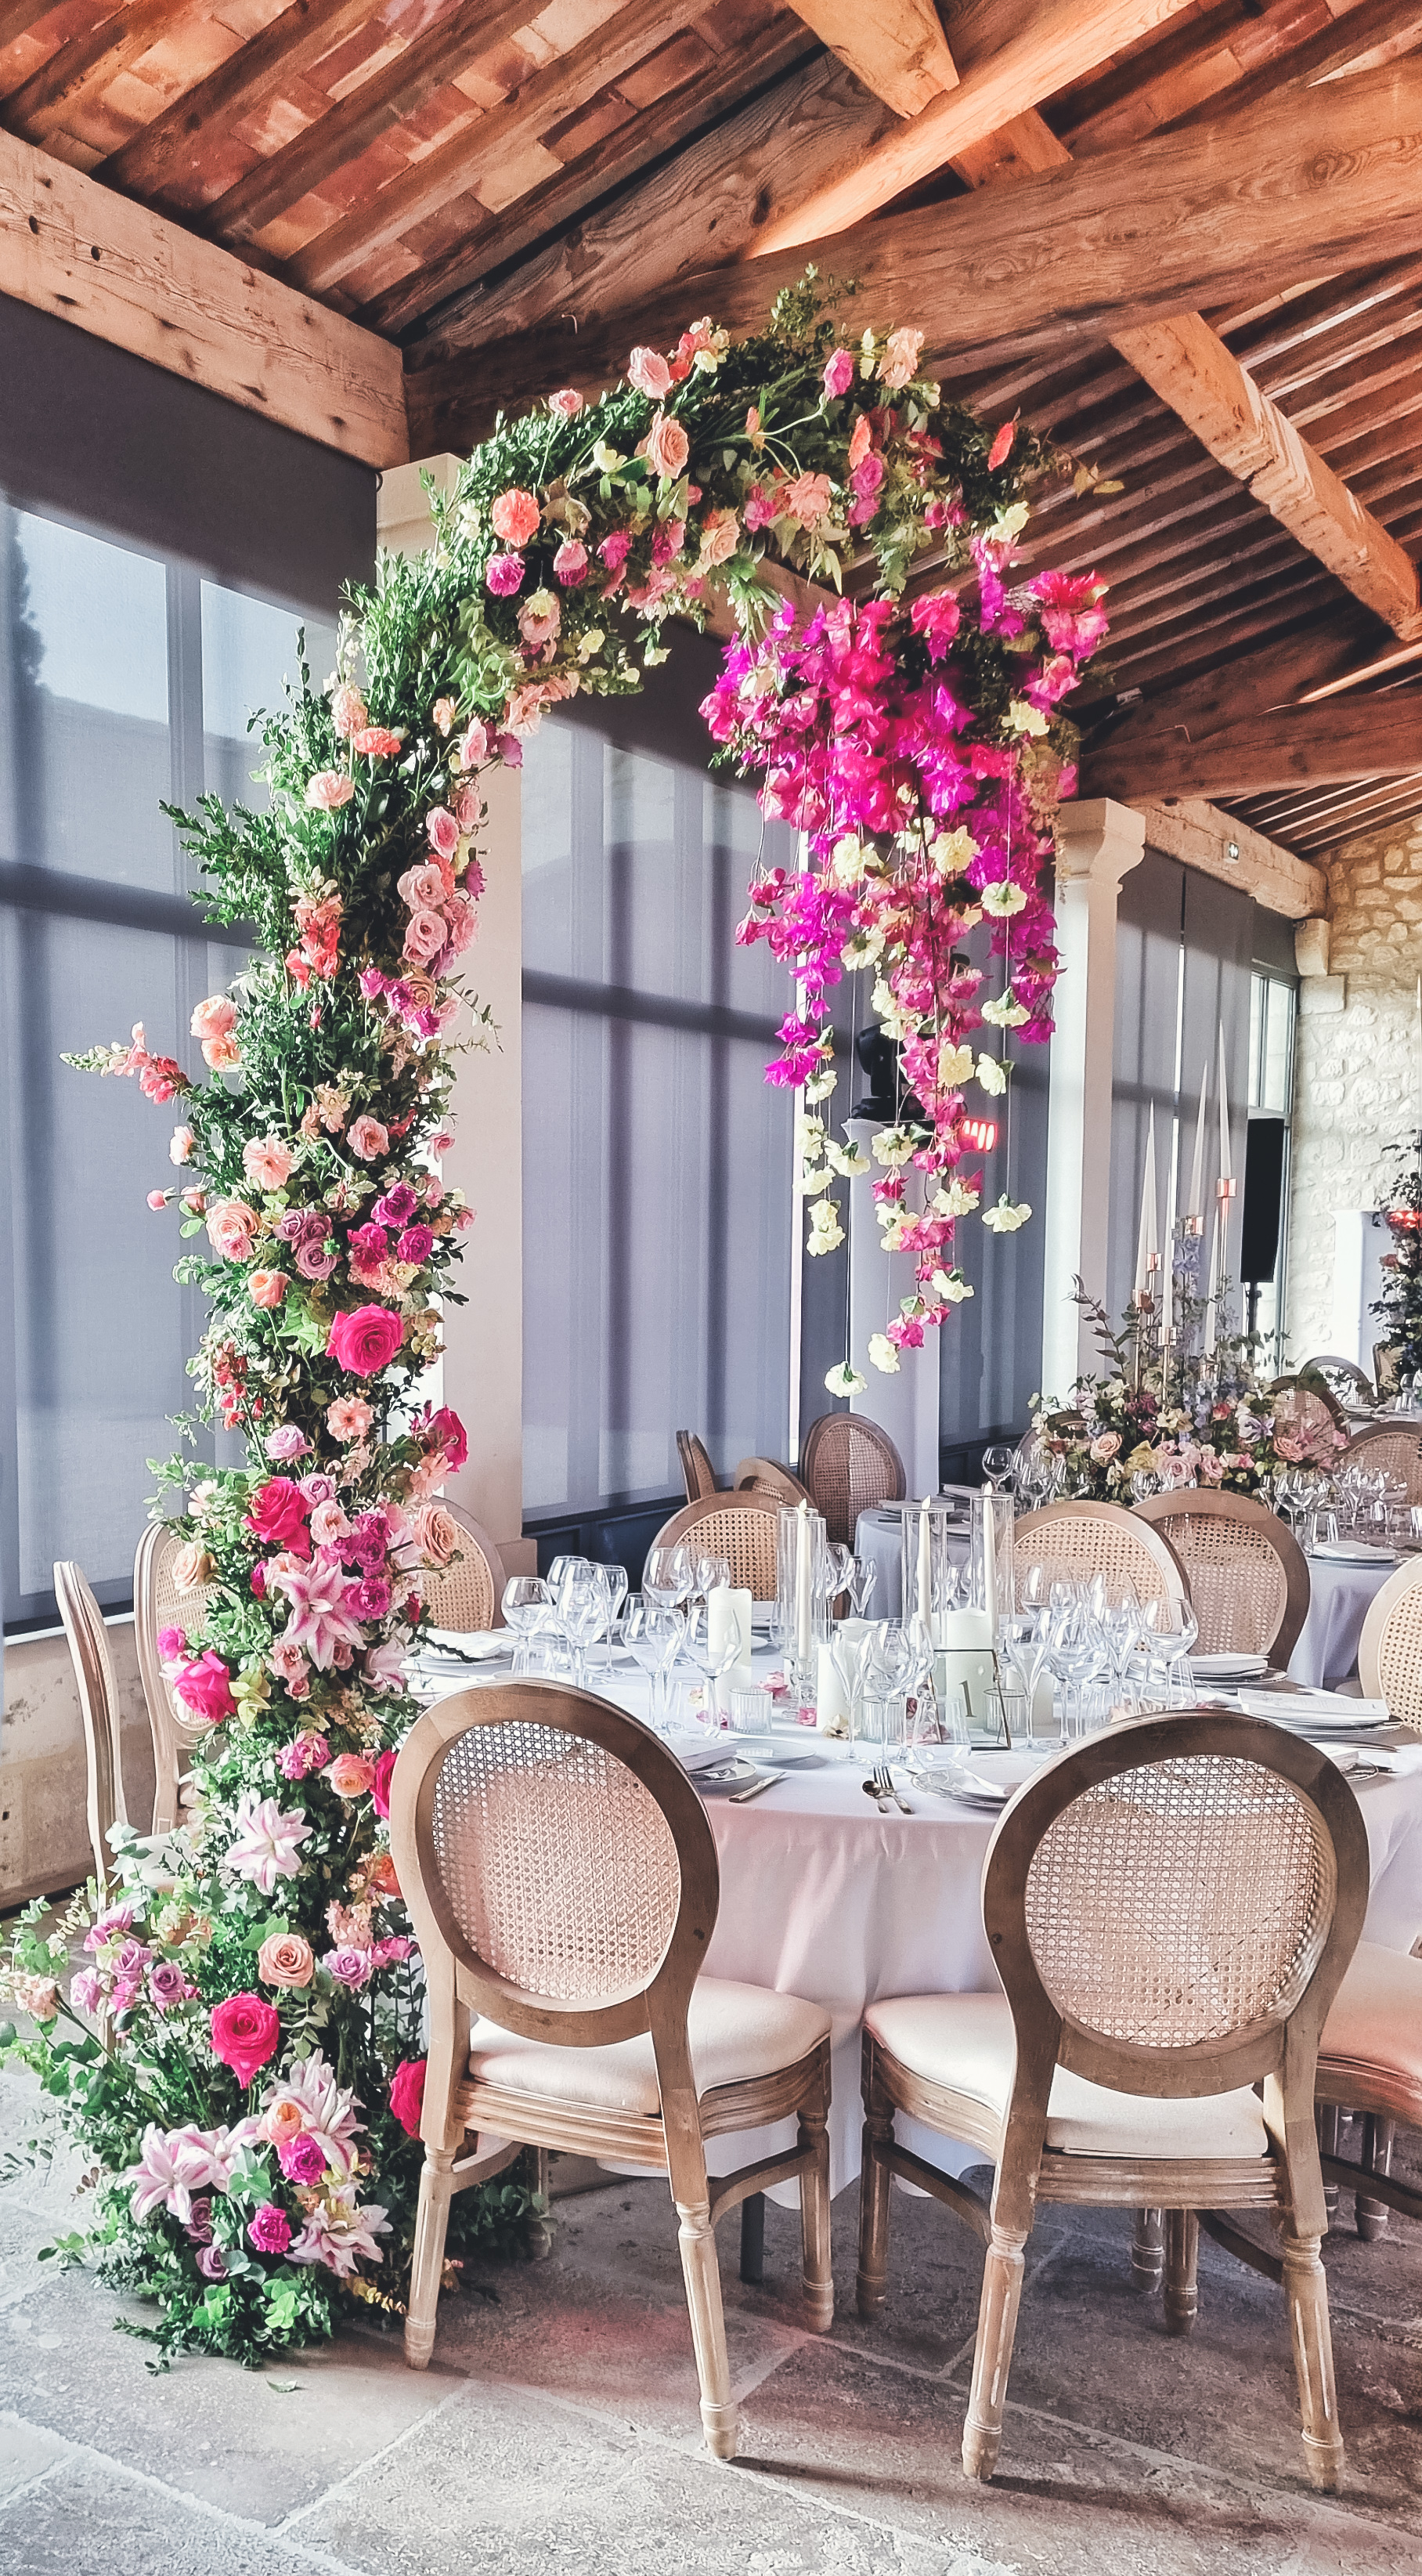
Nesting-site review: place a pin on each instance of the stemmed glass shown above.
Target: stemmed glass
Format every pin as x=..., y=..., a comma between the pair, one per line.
x=859, y=1582
x=613, y=1579
x=713, y=1653
x=710, y=1574
x=1024, y=1643
x=669, y=1576
x=998, y=1463
x=654, y=1632
x=831, y=1574
x=584, y=1602
x=890, y=1656
x=527, y=1607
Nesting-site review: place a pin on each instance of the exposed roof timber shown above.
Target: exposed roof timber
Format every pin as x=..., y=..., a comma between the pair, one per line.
x=72, y=248
x=18, y=16
x=897, y=48
x=1070, y=256
x=1221, y=846
x=1359, y=39
x=1343, y=740
x=85, y=65
x=166, y=157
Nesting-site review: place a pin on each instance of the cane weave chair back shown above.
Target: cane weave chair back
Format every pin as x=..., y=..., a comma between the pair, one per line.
x=744, y=1528
x=159, y=1603
x=767, y=1476
x=1349, y=1385
x=697, y=1471
x=466, y=1595
x=849, y=1466
x=98, y=1709
x=1076, y=1541
x=1249, y=1579
x=1390, y=1450
x=1390, y=1647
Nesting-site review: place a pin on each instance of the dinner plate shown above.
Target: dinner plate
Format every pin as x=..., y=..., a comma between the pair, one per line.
x=784, y=1752
x=717, y=1780
x=1357, y=1551
x=1226, y=1668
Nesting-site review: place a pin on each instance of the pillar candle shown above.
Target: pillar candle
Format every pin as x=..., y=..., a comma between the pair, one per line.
x=1196, y=1206
x=990, y=1563
x=802, y=1580
x=924, y=1601
x=1146, y=1240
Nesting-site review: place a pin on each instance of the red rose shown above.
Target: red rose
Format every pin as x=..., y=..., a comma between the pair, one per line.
x=407, y=2093
x=444, y=1430
x=366, y=1340
x=245, y=2032
x=205, y=1686
x=380, y=1787
x=279, y=1515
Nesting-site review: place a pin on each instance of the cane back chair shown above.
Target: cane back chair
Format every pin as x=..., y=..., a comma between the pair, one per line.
x=1390, y=1647
x=1171, y=1907
x=766, y=1476
x=83, y=1622
x=850, y=1465
x=744, y=1528
x=1389, y=1450
x=1249, y=1580
x=1311, y=1413
x=1079, y=1540
x=698, y=1474
x=467, y=1594
x=159, y=1603
x=561, y=1875
x=1370, y=2063
x=1350, y=1386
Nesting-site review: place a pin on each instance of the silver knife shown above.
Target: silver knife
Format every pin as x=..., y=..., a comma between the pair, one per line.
x=753, y=1788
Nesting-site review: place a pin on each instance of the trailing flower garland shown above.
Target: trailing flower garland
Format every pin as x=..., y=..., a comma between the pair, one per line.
x=239, y=2053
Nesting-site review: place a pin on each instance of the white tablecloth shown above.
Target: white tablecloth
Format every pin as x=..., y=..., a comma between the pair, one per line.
x=1339, y=1601
x=822, y=1896
x=878, y=1537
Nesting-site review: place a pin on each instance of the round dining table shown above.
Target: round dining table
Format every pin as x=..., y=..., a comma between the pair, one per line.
x=823, y=1896
x=1340, y=1597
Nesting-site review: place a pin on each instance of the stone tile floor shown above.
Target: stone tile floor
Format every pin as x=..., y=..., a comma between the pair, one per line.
x=557, y=2429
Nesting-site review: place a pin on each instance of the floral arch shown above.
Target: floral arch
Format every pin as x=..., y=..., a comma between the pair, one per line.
x=240, y=2052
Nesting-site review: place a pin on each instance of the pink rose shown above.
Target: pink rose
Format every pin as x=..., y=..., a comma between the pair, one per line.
x=649, y=372
x=443, y=831
x=570, y=564
x=267, y=1161
x=540, y=618
x=328, y=1524
x=807, y=498
x=351, y=1775
x=349, y=1966
x=613, y=550
x=279, y=1515
x=426, y=934
x=436, y=1533
x=329, y=790
x=231, y=1225
x=348, y=711
x=444, y=1430
x=349, y=1418
x=425, y=888
x=206, y=1688
x=302, y=2159
x=245, y=2034
x=515, y=515
x=157, y=1200
x=668, y=447
x=415, y=1245
x=567, y=404
x=180, y=1145
x=380, y=1785
x=290, y=1666
x=266, y=1288
x=215, y=1017
x=367, y=1138
x=308, y=1752
x=839, y=374
x=269, y=2228
x=407, y=2093
x=211, y=2262
x=366, y=1340
x=476, y=744
x=221, y=1055
x=504, y=575
x=286, y=1961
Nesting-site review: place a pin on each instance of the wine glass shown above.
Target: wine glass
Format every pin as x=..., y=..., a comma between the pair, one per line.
x=713, y=1651
x=526, y=1605
x=710, y=1574
x=1025, y=1637
x=654, y=1631
x=859, y=1583
x=890, y=1655
x=583, y=1609
x=613, y=1579
x=668, y=1576
x=998, y=1463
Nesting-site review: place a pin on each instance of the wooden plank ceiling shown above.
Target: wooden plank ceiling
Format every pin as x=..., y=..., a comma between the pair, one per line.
x=470, y=181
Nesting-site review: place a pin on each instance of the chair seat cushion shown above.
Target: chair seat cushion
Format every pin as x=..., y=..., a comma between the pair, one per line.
x=736, y=2032
x=966, y=2042
x=1372, y=2039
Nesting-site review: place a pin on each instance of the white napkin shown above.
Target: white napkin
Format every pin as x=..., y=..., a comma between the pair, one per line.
x=1389, y=1757
x=1296, y=1708
x=703, y=1752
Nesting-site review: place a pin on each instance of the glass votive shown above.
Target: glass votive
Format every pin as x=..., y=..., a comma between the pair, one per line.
x=750, y=1712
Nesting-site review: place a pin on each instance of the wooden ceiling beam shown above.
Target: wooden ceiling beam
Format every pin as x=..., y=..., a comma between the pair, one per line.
x=85, y=65
x=1065, y=258
x=897, y=48
x=18, y=16
x=166, y=158
x=1358, y=39
x=1341, y=740
x=129, y=276
x=1292, y=667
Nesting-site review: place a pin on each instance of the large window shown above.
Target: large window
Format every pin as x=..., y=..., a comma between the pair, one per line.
x=125, y=680
x=657, y=1208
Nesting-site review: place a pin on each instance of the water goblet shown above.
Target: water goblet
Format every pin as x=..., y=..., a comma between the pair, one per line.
x=583, y=1610
x=999, y=1461
x=654, y=1631
x=713, y=1652
x=527, y=1601
x=859, y=1583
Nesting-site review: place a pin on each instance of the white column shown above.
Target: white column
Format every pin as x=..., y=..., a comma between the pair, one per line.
x=1097, y=844
x=483, y=1363
x=903, y=1404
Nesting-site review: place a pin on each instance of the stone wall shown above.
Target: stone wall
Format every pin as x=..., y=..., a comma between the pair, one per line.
x=1356, y=1066
x=44, y=1832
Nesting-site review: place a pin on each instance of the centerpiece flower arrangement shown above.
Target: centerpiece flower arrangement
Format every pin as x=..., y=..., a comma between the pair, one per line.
x=1399, y=1309
x=239, y=2051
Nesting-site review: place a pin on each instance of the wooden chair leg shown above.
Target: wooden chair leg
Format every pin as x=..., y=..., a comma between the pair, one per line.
x=875, y=2184
x=1182, y=2253
x=815, y=2223
x=431, y=2229
x=1148, y=2249
x=1306, y=2290
x=708, y=2326
x=992, y=2358
x=1372, y=2215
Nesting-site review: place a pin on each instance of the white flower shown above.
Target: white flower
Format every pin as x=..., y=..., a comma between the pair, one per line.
x=847, y=860
x=809, y=1139
x=847, y=1160
x=893, y=1221
x=1025, y=718
x=957, y=1199
x=883, y=1354
x=991, y=1074
x=892, y=1145
x=268, y=1844
x=955, y=1064
x=340, y=2233
x=826, y=1233
x=952, y=1287
x=952, y=852
x=1003, y=898
x=1004, y=1013
x=863, y=947
x=1008, y=524
x=606, y=458
x=811, y=1180
x=1005, y=1218
x=844, y=1380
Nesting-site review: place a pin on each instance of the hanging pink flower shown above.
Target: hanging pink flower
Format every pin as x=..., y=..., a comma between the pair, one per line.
x=570, y=564
x=838, y=374
x=567, y=404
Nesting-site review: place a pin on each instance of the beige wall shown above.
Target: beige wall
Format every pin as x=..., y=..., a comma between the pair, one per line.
x=44, y=1833
x=1356, y=1068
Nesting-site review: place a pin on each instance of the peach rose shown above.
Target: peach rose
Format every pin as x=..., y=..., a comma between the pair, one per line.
x=286, y=1960
x=567, y=404
x=329, y=790
x=349, y=1418
x=329, y=1523
x=267, y=1161
x=445, y=710
x=284, y=2120
x=180, y=1145
x=807, y=498
x=437, y=1533
x=720, y=537
x=367, y=1138
x=668, y=447
x=221, y=1055
x=214, y=1018
x=899, y=363
x=191, y=1566
x=649, y=372
x=351, y=1775
x=266, y=1288
x=515, y=515
x=231, y=1225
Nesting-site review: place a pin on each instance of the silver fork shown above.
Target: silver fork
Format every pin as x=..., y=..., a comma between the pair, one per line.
x=884, y=1789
